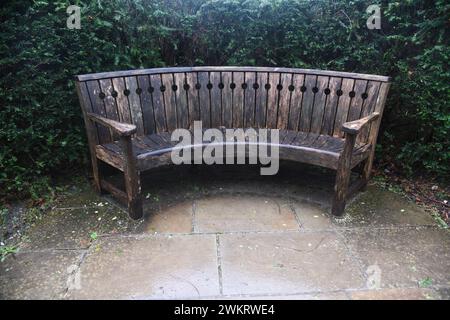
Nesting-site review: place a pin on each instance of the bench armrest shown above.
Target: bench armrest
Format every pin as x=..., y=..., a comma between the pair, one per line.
x=122, y=129
x=354, y=127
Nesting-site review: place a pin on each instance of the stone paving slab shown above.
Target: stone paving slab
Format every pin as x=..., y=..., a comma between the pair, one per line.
x=226, y=232
x=249, y=213
x=275, y=263
x=177, y=218
x=150, y=267
x=72, y=228
x=396, y=294
x=383, y=208
x=312, y=216
x=404, y=256
x=37, y=275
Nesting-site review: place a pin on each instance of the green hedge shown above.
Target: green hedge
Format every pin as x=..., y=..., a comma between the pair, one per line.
x=41, y=131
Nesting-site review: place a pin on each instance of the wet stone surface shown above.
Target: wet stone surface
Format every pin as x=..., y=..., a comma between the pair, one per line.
x=226, y=232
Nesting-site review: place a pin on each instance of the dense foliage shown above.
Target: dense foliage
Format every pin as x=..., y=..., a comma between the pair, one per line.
x=41, y=131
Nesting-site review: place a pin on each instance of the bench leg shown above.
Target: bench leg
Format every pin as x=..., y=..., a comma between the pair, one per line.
x=134, y=198
x=132, y=180
x=343, y=176
x=340, y=191
x=96, y=173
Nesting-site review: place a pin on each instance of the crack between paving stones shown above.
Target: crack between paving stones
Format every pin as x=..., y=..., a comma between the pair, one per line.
x=194, y=211
x=75, y=271
x=188, y=282
x=297, y=218
x=219, y=264
x=353, y=256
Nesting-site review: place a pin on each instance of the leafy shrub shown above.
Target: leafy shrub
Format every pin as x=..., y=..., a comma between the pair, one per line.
x=41, y=131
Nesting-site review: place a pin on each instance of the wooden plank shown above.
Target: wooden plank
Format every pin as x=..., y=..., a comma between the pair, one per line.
x=296, y=101
x=261, y=100
x=343, y=105
x=216, y=99
x=116, y=192
x=98, y=107
x=373, y=133
x=227, y=100
x=238, y=100
x=137, y=72
x=320, y=99
x=182, y=100
x=356, y=104
x=249, y=104
x=331, y=106
x=272, y=101
x=158, y=103
x=205, y=108
x=170, y=101
x=86, y=107
x=307, y=103
x=284, y=101
x=368, y=107
x=121, y=100
x=110, y=103
x=148, y=117
x=193, y=99
x=134, y=103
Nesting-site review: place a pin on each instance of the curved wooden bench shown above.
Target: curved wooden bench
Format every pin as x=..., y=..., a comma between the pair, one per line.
x=326, y=118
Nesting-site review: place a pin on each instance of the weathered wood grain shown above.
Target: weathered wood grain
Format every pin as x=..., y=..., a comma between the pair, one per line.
x=170, y=101
x=134, y=103
x=284, y=100
x=261, y=100
x=272, y=100
x=250, y=94
x=298, y=80
x=158, y=103
x=148, y=117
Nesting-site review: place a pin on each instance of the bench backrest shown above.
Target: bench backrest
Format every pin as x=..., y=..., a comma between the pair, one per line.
x=158, y=100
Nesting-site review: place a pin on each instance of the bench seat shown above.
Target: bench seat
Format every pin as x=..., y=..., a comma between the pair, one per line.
x=154, y=150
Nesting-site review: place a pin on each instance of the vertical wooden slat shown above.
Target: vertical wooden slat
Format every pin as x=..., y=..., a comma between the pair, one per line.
x=135, y=105
x=205, y=112
x=284, y=101
x=122, y=100
x=373, y=134
x=379, y=107
x=249, y=110
x=272, y=101
x=227, y=100
x=307, y=103
x=98, y=107
x=261, y=100
x=354, y=111
x=147, y=104
x=182, y=100
x=216, y=99
x=170, y=101
x=296, y=101
x=109, y=101
x=238, y=99
x=86, y=107
x=343, y=105
x=369, y=106
x=193, y=99
x=331, y=106
x=319, y=104
x=158, y=103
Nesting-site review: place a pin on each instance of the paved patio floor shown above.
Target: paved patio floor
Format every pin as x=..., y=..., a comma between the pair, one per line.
x=226, y=232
